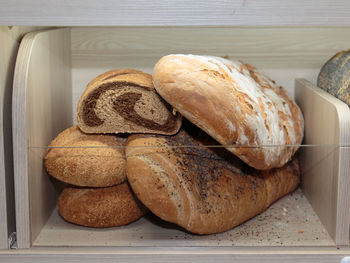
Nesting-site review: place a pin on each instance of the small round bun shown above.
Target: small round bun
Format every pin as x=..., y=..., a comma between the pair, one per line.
x=100, y=207
x=86, y=159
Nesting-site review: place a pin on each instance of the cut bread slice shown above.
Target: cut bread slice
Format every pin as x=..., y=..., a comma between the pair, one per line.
x=125, y=101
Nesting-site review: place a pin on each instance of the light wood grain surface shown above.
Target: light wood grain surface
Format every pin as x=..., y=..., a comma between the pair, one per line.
x=180, y=254
x=41, y=109
x=283, y=53
x=325, y=165
x=288, y=222
x=170, y=12
x=9, y=41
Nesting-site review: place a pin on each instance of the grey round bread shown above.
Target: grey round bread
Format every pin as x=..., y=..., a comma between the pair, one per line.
x=334, y=76
x=100, y=207
x=204, y=190
x=235, y=104
x=125, y=101
x=81, y=159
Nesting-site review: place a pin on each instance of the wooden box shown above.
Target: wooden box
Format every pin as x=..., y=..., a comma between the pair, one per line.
x=52, y=70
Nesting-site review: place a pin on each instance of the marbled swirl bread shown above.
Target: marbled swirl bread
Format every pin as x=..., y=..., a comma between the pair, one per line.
x=334, y=76
x=204, y=190
x=125, y=101
x=235, y=104
x=86, y=159
x=100, y=207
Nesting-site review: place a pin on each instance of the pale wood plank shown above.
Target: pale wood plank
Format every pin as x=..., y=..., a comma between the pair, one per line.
x=183, y=13
x=283, y=53
x=181, y=254
x=290, y=47
x=9, y=39
x=325, y=166
x=288, y=222
x=42, y=88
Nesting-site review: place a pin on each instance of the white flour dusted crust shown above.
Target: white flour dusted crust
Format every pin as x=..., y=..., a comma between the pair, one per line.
x=235, y=104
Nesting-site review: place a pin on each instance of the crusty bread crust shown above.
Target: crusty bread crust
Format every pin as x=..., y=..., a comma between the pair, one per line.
x=334, y=76
x=235, y=104
x=100, y=207
x=204, y=190
x=86, y=159
x=125, y=101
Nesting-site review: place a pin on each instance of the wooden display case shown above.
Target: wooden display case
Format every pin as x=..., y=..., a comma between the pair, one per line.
x=10, y=38
x=54, y=66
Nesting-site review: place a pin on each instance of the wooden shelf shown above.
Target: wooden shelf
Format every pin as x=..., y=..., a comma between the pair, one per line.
x=66, y=59
x=289, y=222
x=175, y=13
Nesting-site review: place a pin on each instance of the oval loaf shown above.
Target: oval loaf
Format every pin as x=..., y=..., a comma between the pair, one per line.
x=204, y=190
x=235, y=104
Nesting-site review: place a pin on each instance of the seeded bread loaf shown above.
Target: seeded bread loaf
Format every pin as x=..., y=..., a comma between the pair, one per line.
x=100, y=207
x=86, y=159
x=235, y=104
x=125, y=101
x=334, y=76
x=204, y=190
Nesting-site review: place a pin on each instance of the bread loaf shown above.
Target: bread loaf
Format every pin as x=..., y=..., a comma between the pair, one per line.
x=125, y=101
x=204, y=190
x=86, y=159
x=334, y=76
x=100, y=207
x=235, y=104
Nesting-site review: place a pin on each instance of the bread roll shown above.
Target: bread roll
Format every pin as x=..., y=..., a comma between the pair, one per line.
x=334, y=76
x=204, y=190
x=86, y=159
x=235, y=104
x=125, y=101
x=100, y=207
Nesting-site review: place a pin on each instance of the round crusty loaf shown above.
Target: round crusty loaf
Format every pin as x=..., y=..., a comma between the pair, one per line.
x=100, y=207
x=204, y=190
x=86, y=159
x=235, y=104
x=125, y=101
x=334, y=76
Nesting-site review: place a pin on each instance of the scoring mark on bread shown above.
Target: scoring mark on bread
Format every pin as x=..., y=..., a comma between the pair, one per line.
x=164, y=179
x=116, y=75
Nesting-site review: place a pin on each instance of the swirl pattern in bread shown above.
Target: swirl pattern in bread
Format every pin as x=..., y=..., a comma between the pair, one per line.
x=125, y=101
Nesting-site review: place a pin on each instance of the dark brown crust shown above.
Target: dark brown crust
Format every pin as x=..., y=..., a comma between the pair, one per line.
x=100, y=207
x=204, y=190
